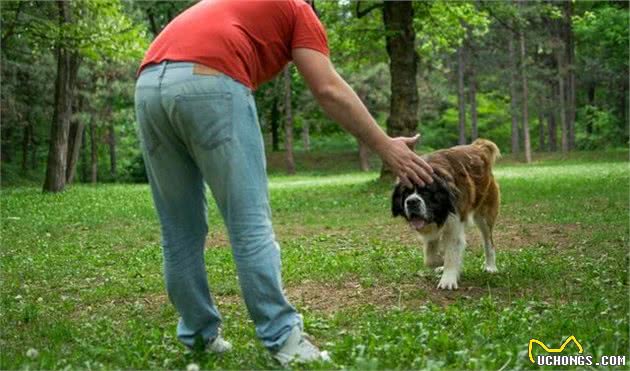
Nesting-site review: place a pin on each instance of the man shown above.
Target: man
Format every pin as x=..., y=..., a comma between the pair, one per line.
x=198, y=122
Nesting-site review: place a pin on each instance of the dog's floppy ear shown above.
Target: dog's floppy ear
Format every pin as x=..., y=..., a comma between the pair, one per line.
x=447, y=195
x=397, y=201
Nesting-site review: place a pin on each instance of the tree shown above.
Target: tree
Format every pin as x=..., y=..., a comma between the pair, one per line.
x=159, y=13
x=93, y=154
x=562, y=100
x=75, y=141
x=275, y=125
x=567, y=33
x=102, y=33
x=67, y=68
x=525, y=98
x=472, y=83
x=403, y=61
x=364, y=152
x=551, y=118
x=513, y=95
x=461, y=94
x=541, y=130
x=288, y=122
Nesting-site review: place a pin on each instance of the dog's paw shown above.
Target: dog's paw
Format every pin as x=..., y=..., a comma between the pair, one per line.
x=448, y=282
x=490, y=268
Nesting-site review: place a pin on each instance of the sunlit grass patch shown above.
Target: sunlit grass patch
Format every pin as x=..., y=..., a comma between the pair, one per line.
x=281, y=182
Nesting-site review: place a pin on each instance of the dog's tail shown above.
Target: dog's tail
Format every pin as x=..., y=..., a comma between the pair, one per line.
x=490, y=148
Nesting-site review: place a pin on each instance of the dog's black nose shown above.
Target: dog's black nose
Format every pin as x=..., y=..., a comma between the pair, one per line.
x=413, y=202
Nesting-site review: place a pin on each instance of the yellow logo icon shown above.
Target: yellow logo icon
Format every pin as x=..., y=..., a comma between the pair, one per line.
x=553, y=350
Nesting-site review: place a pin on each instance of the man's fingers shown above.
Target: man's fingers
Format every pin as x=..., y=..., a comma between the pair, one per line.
x=420, y=176
x=411, y=141
x=424, y=174
x=405, y=181
x=425, y=165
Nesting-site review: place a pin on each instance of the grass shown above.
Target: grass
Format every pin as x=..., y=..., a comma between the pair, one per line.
x=81, y=275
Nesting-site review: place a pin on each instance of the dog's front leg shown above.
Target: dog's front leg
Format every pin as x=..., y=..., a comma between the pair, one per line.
x=453, y=242
x=432, y=257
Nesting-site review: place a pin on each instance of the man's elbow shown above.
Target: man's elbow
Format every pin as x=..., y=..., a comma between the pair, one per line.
x=326, y=92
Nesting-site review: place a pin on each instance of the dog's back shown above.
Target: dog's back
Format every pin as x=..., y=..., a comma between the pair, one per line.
x=468, y=170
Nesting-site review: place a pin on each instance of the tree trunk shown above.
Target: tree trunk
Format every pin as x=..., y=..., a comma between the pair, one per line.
x=27, y=127
x=403, y=61
x=364, y=151
x=541, y=130
x=473, y=103
x=84, y=161
x=364, y=156
x=288, y=123
x=275, y=124
x=7, y=130
x=461, y=95
x=591, y=102
x=155, y=30
x=569, y=43
x=6, y=149
x=306, y=137
x=111, y=141
x=513, y=92
x=552, y=128
x=623, y=107
x=34, y=144
x=94, y=154
x=27, y=142
x=76, y=141
x=67, y=68
x=562, y=102
x=525, y=99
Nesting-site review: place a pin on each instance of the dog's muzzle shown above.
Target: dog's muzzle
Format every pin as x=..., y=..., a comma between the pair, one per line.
x=416, y=211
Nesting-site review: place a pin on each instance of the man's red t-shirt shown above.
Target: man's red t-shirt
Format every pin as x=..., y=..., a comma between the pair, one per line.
x=248, y=40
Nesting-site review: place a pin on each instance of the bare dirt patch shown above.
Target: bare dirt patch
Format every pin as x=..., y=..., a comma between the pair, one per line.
x=510, y=234
x=330, y=298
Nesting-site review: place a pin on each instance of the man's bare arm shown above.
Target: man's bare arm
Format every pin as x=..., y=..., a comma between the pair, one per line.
x=343, y=105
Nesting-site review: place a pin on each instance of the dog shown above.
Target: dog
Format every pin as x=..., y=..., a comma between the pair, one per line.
x=463, y=190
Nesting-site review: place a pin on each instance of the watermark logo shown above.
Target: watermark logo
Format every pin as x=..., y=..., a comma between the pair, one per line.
x=570, y=360
x=553, y=350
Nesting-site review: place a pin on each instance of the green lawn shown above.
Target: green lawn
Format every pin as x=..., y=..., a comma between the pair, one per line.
x=81, y=275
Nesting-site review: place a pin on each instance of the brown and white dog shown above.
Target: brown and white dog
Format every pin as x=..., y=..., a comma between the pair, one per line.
x=463, y=190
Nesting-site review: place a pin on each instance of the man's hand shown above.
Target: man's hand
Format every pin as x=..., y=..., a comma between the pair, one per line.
x=342, y=104
x=405, y=163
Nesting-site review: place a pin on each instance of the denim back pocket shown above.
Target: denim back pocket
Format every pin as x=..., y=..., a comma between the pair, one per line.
x=207, y=118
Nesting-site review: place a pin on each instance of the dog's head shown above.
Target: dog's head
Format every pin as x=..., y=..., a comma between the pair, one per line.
x=426, y=205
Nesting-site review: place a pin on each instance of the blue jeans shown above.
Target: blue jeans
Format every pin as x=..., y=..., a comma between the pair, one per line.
x=196, y=128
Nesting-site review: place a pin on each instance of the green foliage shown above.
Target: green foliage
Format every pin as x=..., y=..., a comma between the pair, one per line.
x=599, y=128
x=155, y=14
x=493, y=116
x=603, y=31
x=355, y=43
x=98, y=29
x=441, y=26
